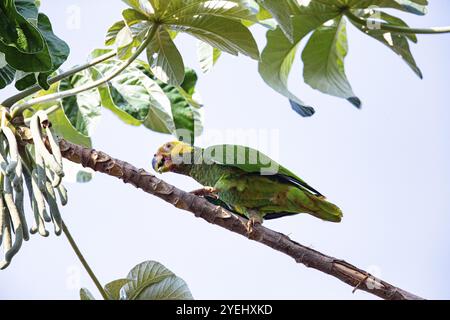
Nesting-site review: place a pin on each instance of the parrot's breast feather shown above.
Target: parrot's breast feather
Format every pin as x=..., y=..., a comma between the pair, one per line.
x=253, y=161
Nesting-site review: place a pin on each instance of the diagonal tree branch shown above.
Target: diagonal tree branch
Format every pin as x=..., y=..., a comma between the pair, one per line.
x=346, y=272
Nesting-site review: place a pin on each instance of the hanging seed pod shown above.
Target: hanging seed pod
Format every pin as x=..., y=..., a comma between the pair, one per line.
x=20, y=207
x=49, y=160
x=38, y=197
x=62, y=192
x=7, y=237
x=50, y=197
x=16, y=224
x=15, y=166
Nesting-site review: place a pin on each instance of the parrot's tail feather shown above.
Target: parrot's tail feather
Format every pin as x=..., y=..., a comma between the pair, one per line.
x=327, y=210
x=314, y=205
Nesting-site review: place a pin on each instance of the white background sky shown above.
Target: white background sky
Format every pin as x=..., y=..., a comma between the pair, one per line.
x=386, y=166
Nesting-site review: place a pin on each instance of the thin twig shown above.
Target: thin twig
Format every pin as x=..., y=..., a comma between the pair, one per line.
x=83, y=261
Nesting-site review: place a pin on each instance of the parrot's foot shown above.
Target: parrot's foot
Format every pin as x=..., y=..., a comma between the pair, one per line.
x=254, y=219
x=206, y=191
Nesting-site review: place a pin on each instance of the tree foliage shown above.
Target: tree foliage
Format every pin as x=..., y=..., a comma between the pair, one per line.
x=159, y=92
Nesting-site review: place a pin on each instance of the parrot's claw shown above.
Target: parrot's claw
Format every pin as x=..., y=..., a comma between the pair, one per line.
x=251, y=223
x=206, y=191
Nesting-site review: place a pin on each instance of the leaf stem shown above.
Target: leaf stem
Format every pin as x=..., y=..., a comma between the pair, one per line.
x=60, y=95
x=28, y=92
x=396, y=29
x=83, y=261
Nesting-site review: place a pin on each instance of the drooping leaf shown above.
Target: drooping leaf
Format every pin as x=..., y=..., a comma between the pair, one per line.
x=323, y=60
x=164, y=58
x=279, y=54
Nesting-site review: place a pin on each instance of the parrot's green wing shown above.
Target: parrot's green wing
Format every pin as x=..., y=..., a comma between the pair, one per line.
x=253, y=161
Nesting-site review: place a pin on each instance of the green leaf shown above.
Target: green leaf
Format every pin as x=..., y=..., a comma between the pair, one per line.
x=85, y=294
x=28, y=9
x=84, y=109
x=59, y=50
x=279, y=54
x=164, y=58
x=113, y=31
x=56, y=49
x=134, y=97
x=113, y=288
x=207, y=56
x=411, y=6
x=150, y=280
x=238, y=10
x=395, y=41
x=323, y=59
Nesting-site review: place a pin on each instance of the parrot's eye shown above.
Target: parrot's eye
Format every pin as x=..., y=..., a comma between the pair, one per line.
x=168, y=146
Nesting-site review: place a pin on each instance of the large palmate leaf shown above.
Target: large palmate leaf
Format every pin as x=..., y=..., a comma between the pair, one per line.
x=279, y=54
x=323, y=60
x=150, y=280
x=216, y=22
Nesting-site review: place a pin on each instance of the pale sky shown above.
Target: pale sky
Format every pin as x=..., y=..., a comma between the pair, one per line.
x=386, y=166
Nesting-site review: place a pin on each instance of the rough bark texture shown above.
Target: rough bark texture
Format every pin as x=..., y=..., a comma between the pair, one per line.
x=201, y=208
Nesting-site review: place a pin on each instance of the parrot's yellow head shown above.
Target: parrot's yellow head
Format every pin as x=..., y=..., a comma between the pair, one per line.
x=170, y=155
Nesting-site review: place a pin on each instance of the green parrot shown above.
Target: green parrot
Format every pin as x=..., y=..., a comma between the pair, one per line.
x=245, y=181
